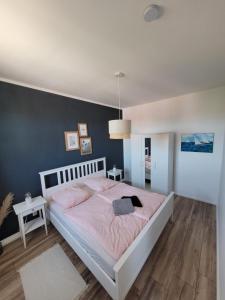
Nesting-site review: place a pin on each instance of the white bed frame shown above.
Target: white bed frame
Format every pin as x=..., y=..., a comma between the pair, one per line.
x=131, y=262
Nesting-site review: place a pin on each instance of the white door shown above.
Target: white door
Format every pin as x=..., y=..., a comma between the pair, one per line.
x=137, y=161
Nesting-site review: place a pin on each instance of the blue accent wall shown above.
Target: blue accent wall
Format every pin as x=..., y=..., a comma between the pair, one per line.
x=32, y=125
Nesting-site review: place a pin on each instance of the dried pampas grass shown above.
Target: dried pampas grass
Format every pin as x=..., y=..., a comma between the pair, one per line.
x=5, y=209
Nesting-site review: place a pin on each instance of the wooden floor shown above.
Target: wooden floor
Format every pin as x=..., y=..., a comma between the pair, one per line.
x=181, y=266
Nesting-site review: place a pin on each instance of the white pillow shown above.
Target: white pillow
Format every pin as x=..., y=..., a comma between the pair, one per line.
x=70, y=197
x=99, y=184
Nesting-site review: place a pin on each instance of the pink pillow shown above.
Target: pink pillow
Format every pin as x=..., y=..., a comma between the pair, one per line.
x=99, y=184
x=70, y=197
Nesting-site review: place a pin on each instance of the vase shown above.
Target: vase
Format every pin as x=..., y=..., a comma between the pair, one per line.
x=28, y=200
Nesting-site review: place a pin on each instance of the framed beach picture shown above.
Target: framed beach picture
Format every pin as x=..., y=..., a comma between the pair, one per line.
x=71, y=140
x=85, y=146
x=197, y=142
x=82, y=128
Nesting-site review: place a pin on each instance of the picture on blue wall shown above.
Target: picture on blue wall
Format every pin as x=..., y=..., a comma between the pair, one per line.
x=197, y=142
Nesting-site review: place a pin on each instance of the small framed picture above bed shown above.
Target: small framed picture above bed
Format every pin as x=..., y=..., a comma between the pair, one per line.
x=82, y=128
x=71, y=140
x=85, y=145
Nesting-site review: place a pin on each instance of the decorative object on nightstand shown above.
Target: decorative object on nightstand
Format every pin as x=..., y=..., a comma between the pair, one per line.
x=22, y=210
x=5, y=210
x=114, y=173
x=28, y=198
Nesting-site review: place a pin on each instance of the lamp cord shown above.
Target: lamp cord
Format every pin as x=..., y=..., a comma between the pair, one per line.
x=118, y=88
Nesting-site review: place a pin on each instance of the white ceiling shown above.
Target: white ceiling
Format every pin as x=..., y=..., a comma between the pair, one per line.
x=74, y=47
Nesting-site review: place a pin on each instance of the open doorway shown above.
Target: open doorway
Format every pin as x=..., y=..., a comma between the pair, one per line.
x=148, y=164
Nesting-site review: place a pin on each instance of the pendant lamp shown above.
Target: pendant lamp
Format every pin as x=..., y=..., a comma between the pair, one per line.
x=119, y=129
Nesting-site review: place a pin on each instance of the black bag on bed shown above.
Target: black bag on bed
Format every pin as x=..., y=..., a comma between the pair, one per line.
x=135, y=200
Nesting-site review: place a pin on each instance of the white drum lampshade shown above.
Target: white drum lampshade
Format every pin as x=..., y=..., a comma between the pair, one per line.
x=119, y=129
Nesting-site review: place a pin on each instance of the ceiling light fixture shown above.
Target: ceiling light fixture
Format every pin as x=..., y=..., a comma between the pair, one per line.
x=119, y=129
x=152, y=12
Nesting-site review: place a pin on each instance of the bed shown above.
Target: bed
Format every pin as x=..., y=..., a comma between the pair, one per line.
x=115, y=275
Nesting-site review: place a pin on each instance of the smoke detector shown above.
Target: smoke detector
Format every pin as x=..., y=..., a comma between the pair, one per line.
x=152, y=12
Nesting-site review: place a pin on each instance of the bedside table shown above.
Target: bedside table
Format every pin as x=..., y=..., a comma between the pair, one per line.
x=22, y=210
x=114, y=174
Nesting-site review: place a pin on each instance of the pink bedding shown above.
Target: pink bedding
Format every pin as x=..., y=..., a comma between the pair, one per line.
x=150, y=201
x=70, y=197
x=99, y=184
x=147, y=164
x=114, y=233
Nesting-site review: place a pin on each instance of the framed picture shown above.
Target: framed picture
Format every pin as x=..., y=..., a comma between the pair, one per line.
x=82, y=128
x=85, y=146
x=71, y=140
x=197, y=142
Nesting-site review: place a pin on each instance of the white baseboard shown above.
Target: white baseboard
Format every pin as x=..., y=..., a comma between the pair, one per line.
x=196, y=199
x=10, y=239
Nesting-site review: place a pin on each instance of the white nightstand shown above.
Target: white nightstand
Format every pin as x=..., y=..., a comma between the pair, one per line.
x=22, y=210
x=117, y=172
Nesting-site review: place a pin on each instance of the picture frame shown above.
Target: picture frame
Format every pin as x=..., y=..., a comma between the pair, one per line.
x=85, y=145
x=197, y=142
x=82, y=129
x=71, y=140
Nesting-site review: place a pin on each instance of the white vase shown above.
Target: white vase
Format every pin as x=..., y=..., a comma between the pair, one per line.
x=28, y=200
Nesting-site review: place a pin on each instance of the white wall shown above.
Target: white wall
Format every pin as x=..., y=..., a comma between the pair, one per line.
x=197, y=175
x=221, y=234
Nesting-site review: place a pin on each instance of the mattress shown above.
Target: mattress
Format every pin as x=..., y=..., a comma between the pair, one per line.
x=105, y=261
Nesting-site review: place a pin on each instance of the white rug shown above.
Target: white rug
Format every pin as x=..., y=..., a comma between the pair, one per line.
x=51, y=276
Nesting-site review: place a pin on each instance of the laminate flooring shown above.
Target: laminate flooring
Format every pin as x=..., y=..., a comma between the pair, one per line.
x=182, y=264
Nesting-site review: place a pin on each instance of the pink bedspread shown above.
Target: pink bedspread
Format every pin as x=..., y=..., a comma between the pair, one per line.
x=150, y=201
x=114, y=233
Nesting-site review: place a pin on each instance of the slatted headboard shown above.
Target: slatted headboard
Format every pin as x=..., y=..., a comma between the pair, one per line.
x=68, y=175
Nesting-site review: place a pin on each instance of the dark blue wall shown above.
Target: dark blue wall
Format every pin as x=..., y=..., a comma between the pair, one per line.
x=32, y=125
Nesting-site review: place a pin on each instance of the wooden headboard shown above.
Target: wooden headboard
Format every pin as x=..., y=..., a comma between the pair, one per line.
x=68, y=175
